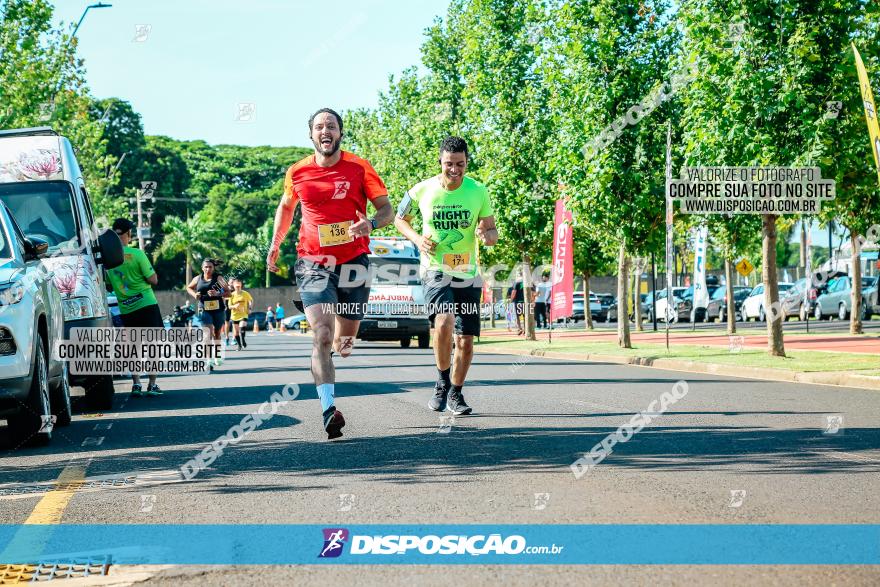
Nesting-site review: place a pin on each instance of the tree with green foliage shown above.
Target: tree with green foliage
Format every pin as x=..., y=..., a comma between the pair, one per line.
x=844, y=148
x=42, y=83
x=606, y=59
x=767, y=69
x=194, y=238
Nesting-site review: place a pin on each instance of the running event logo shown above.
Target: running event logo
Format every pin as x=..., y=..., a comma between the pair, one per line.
x=448, y=222
x=334, y=540
x=341, y=190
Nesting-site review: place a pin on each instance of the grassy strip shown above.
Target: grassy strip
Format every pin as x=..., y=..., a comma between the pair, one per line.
x=797, y=360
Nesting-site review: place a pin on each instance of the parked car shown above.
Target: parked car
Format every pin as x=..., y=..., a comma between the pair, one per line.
x=605, y=302
x=793, y=300
x=577, y=307
x=43, y=186
x=34, y=383
x=295, y=322
x=871, y=295
x=753, y=305
x=258, y=318
x=663, y=311
x=717, y=307
x=684, y=309
x=648, y=305
x=837, y=298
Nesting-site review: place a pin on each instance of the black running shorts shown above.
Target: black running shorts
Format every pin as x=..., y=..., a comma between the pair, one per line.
x=453, y=295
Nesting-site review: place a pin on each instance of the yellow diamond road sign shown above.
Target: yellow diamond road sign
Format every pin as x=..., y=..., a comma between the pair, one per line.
x=744, y=267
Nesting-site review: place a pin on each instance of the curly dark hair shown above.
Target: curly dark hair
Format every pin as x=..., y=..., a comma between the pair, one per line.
x=454, y=145
x=328, y=111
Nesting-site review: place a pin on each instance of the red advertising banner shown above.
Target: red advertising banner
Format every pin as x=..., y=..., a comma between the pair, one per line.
x=563, y=253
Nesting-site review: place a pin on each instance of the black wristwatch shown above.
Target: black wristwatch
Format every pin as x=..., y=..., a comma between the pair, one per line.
x=373, y=223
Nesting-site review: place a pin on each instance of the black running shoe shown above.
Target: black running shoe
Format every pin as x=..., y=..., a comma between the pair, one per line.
x=333, y=422
x=457, y=404
x=438, y=402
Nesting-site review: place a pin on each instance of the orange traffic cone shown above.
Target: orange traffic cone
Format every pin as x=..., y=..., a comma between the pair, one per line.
x=256, y=326
x=281, y=326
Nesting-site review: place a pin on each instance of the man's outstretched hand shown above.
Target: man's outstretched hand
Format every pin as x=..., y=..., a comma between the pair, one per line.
x=272, y=259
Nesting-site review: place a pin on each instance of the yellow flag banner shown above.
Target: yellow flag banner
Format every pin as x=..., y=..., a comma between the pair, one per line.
x=870, y=109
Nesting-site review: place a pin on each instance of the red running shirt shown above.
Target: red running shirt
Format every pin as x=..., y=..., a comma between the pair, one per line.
x=330, y=196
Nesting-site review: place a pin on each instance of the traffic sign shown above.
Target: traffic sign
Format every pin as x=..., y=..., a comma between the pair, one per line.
x=744, y=267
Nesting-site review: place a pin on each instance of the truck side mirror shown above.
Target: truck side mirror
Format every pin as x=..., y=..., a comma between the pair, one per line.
x=110, y=248
x=35, y=248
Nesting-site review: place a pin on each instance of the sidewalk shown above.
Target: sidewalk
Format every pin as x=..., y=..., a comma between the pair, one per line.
x=842, y=343
x=824, y=359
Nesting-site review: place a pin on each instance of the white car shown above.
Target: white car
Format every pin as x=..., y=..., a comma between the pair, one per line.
x=753, y=306
x=664, y=311
x=295, y=322
x=34, y=385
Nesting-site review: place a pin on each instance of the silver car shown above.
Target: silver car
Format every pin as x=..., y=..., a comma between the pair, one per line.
x=34, y=387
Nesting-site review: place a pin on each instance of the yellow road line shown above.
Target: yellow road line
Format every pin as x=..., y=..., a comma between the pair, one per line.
x=50, y=509
x=29, y=545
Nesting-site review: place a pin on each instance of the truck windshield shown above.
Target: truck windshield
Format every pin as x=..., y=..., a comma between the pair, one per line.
x=395, y=271
x=43, y=209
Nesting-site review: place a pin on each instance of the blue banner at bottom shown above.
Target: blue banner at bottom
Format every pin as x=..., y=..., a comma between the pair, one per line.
x=221, y=544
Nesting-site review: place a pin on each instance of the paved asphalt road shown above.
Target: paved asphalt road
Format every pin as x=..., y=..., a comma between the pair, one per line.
x=532, y=419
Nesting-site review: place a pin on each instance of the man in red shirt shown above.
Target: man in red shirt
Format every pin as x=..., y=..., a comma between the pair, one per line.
x=332, y=270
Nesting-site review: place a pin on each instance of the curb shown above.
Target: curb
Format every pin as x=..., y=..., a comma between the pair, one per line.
x=841, y=379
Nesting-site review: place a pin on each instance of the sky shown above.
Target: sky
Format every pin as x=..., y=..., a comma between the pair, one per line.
x=246, y=73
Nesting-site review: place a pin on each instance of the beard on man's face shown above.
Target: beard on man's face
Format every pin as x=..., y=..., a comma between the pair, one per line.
x=327, y=149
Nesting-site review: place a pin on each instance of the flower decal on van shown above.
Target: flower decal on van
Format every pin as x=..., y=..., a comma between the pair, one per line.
x=32, y=165
x=40, y=164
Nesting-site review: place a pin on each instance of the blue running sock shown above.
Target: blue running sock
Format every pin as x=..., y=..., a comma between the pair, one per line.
x=325, y=393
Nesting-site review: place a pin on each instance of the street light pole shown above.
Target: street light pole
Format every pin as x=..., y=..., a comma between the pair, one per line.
x=86, y=11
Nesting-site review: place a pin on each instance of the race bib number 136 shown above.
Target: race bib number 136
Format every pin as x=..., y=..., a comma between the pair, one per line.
x=330, y=235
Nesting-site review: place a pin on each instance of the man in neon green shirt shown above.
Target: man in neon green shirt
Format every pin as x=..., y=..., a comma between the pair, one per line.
x=455, y=211
x=133, y=283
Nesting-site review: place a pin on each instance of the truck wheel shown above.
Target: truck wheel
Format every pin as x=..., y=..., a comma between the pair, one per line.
x=405, y=342
x=33, y=423
x=424, y=341
x=99, y=392
x=59, y=395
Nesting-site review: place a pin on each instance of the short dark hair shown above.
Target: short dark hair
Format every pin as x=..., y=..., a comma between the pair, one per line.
x=454, y=145
x=325, y=111
x=122, y=225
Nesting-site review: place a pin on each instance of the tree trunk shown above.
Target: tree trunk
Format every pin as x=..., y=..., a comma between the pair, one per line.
x=528, y=314
x=637, y=297
x=623, y=338
x=588, y=317
x=730, y=302
x=855, y=317
x=775, y=343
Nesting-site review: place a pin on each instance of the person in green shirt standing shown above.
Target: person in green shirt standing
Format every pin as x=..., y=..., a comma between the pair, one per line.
x=133, y=283
x=455, y=212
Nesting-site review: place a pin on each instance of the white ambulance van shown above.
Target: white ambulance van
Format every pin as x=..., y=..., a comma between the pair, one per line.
x=43, y=187
x=396, y=308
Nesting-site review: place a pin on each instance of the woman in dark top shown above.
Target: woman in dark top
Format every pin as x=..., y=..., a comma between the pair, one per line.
x=209, y=289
